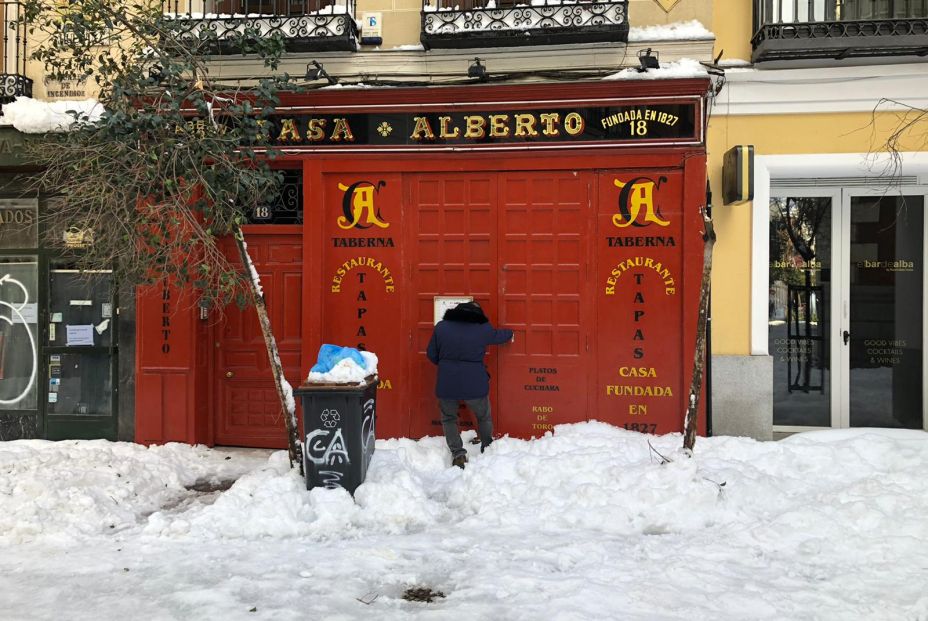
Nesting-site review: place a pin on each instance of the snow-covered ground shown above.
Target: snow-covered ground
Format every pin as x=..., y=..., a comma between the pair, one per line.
x=584, y=524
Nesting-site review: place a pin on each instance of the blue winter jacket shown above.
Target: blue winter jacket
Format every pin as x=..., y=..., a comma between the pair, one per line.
x=458, y=346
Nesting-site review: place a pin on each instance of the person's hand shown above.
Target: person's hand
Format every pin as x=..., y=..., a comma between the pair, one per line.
x=513, y=339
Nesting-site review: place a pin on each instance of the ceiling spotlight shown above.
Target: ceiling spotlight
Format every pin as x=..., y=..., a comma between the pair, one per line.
x=647, y=61
x=476, y=70
x=315, y=71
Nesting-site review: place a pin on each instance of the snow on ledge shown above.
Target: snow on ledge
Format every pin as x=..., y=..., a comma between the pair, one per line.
x=676, y=31
x=683, y=68
x=738, y=63
x=33, y=116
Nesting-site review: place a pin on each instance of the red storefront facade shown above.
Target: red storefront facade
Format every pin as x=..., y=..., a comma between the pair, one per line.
x=571, y=212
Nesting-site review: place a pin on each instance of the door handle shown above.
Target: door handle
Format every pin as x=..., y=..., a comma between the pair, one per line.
x=229, y=374
x=846, y=336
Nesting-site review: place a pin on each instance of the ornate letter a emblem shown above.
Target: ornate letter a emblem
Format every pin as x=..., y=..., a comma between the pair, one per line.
x=358, y=202
x=636, y=203
x=667, y=4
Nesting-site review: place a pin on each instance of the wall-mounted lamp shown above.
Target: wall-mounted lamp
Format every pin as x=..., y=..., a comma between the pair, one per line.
x=315, y=71
x=476, y=70
x=738, y=174
x=647, y=61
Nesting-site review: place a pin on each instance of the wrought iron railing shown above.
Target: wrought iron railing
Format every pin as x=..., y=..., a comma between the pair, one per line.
x=305, y=25
x=468, y=23
x=13, y=80
x=785, y=29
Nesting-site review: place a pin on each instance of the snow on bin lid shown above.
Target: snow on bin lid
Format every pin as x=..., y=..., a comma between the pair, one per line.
x=342, y=365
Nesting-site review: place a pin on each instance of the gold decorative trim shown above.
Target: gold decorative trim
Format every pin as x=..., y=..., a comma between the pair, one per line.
x=667, y=5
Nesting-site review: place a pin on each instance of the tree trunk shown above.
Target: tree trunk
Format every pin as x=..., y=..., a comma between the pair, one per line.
x=284, y=391
x=699, y=356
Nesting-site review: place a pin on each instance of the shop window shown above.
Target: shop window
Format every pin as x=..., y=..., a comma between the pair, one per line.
x=18, y=223
x=18, y=332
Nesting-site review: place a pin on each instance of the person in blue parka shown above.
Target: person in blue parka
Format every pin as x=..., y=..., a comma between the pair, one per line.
x=458, y=346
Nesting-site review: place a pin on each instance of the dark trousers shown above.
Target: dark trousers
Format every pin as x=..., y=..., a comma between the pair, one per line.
x=449, y=422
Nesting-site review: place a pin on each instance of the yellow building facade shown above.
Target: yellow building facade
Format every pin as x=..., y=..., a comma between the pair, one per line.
x=818, y=285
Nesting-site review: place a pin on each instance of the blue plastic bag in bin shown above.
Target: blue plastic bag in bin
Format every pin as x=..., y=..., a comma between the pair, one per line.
x=330, y=355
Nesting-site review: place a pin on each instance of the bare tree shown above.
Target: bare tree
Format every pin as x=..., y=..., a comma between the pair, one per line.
x=169, y=169
x=699, y=356
x=908, y=131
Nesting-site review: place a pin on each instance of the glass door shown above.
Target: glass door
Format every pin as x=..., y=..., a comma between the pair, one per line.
x=846, y=308
x=79, y=354
x=800, y=309
x=883, y=332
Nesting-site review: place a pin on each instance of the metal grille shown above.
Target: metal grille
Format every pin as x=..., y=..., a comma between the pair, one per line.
x=786, y=29
x=286, y=207
x=306, y=25
x=13, y=80
x=518, y=23
x=846, y=182
x=799, y=11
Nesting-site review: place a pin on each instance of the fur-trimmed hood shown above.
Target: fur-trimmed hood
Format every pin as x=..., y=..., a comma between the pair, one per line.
x=466, y=312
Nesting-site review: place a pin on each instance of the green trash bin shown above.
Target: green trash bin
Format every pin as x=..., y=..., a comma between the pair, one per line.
x=339, y=429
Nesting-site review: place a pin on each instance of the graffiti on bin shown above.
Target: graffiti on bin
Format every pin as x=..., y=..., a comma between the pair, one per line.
x=367, y=427
x=331, y=479
x=330, y=418
x=326, y=447
x=367, y=434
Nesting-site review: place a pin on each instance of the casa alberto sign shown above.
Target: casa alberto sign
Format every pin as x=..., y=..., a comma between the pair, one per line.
x=579, y=126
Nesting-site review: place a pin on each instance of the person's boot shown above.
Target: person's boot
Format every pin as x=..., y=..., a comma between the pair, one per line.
x=459, y=461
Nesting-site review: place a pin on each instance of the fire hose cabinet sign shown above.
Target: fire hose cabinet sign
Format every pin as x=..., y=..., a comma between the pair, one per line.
x=338, y=433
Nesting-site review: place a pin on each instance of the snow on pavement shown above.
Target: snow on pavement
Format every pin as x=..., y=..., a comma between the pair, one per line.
x=583, y=524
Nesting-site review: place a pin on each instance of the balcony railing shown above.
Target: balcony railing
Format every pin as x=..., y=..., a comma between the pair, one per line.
x=497, y=23
x=306, y=25
x=13, y=80
x=810, y=29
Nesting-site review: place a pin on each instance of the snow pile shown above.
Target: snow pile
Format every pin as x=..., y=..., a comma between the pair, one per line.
x=68, y=490
x=691, y=30
x=273, y=498
x=815, y=487
x=683, y=68
x=32, y=116
x=596, y=478
x=586, y=523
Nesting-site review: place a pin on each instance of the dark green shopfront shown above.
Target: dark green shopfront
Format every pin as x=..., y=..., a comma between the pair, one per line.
x=62, y=332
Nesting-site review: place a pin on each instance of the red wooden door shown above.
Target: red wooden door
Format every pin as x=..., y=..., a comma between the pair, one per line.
x=246, y=403
x=640, y=298
x=451, y=233
x=546, y=298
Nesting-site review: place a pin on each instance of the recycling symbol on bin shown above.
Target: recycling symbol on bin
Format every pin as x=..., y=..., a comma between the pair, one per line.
x=330, y=418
